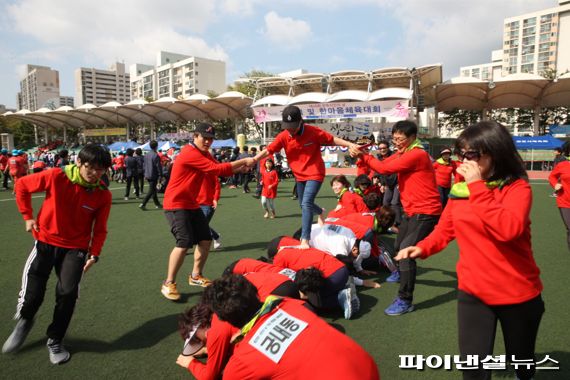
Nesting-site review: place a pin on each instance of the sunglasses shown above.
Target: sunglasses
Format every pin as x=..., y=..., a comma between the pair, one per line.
x=470, y=155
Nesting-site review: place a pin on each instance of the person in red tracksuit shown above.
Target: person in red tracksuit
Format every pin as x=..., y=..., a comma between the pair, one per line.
x=266, y=277
x=270, y=180
x=69, y=233
x=333, y=272
x=199, y=324
x=444, y=168
x=282, y=338
x=4, y=170
x=348, y=202
x=302, y=144
x=182, y=210
x=498, y=279
x=18, y=167
x=559, y=179
x=420, y=199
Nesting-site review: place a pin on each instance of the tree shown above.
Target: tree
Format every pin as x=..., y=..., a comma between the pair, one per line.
x=248, y=87
x=247, y=84
x=23, y=132
x=457, y=119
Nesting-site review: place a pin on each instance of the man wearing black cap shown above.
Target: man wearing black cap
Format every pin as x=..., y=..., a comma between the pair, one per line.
x=302, y=144
x=187, y=222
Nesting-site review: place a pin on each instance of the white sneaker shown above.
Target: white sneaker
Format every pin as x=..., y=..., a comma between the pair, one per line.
x=217, y=243
x=57, y=353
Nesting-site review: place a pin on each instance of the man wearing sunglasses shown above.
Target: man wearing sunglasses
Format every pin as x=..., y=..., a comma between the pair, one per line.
x=420, y=200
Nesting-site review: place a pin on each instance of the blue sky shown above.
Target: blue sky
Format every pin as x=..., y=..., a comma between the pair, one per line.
x=274, y=36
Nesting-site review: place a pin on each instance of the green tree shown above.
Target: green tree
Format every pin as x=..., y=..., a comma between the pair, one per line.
x=457, y=119
x=23, y=132
x=247, y=83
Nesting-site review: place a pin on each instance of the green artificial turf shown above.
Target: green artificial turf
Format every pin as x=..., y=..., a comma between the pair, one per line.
x=124, y=328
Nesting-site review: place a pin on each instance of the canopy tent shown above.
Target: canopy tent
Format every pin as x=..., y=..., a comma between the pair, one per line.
x=122, y=145
x=536, y=148
x=228, y=105
x=513, y=91
x=545, y=142
x=167, y=145
x=560, y=129
x=229, y=143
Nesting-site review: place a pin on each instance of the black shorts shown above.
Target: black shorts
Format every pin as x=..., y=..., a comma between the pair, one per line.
x=188, y=227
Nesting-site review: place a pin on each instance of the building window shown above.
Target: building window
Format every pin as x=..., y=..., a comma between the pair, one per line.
x=529, y=22
x=529, y=68
x=527, y=58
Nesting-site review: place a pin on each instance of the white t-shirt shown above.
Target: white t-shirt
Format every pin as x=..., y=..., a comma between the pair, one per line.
x=338, y=240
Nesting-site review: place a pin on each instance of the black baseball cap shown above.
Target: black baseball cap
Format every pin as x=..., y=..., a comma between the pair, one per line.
x=291, y=117
x=206, y=130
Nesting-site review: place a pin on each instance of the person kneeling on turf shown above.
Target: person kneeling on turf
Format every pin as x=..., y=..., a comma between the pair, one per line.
x=281, y=338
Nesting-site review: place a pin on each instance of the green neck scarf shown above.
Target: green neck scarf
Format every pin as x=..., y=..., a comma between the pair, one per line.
x=441, y=161
x=72, y=172
x=377, y=226
x=461, y=191
x=342, y=193
x=270, y=303
x=359, y=192
x=416, y=144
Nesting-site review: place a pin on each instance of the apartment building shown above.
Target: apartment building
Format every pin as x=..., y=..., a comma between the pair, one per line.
x=39, y=86
x=537, y=42
x=177, y=76
x=97, y=86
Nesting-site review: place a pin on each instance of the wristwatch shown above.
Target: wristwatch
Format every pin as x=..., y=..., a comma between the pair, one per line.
x=93, y=257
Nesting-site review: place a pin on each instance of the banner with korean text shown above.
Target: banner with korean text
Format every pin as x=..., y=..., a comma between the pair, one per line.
x=393, y=109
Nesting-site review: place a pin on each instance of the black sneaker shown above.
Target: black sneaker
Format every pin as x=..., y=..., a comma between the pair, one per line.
x=57, y=353
x=18, y=336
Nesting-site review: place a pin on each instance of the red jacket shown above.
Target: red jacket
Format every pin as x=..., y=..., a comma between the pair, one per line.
x=443, y=173
x=561, y=173
x=247, y=265
x=3, y=162
x=297, y=259
x=265, y=282
x=188, y=173
x=219, y=351
x=18, y=166
x=492, y=229
x=303, y=151
x=209, y=191
x=269, y=178
x=71, y=216
x=304, y=347
x=416, y=180
x=350, y=203
x=362, y=168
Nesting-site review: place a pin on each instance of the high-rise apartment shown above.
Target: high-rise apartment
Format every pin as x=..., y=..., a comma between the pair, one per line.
x=538, y=42
x=40, y=85
x=177, y=76
x=98, y=87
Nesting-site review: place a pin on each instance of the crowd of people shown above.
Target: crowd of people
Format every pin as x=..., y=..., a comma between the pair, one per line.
x=260, y=318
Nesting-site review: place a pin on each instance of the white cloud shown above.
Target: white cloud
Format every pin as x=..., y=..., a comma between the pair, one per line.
x=131, y=30
x=240, y=7
x=290, y=34
x=452, y=32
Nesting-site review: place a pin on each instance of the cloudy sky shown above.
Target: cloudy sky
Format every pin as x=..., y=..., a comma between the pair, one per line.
x=274, y=36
